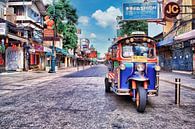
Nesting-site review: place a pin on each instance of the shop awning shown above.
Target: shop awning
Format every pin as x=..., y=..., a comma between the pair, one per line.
x=167, y=41
x=48, y=54
x=63, y=51
x=17, y=38
x=185, y=36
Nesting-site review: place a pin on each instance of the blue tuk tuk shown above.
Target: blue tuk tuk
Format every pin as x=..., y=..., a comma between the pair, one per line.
x=133, y=69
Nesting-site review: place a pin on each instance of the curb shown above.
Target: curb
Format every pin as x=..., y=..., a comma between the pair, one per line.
x=184, y=86
x=10, y=73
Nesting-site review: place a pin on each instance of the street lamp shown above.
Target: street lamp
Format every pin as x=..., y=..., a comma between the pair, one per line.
x=53, y=59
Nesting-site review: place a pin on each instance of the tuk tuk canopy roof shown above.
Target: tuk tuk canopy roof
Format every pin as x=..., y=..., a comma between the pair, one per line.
x=132, y=36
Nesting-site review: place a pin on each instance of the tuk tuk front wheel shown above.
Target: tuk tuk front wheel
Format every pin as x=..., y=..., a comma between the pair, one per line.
x=141, y=99
x=107, y=85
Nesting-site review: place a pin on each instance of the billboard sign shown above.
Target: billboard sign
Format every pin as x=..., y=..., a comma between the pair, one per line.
x=3, y=29
x=140, y=11
x=85, y=44
x=48, y=33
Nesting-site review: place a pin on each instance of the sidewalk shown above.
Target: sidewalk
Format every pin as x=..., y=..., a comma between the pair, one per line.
x=9, y=78
x=186, y=80
x=59, y=70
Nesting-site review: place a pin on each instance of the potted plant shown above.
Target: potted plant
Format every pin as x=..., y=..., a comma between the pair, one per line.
x=2, y=49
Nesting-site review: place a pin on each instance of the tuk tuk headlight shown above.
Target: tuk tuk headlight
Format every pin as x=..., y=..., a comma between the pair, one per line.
x=140, y=67
x=157, y=68
x=122, y=67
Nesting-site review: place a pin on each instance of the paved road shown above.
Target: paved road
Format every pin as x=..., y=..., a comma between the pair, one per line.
x=78, y=101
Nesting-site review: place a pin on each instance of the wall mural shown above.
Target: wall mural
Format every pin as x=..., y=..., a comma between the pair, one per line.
x=14, y=58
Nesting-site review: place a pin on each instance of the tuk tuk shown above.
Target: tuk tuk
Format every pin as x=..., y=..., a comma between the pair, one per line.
x=133, y=69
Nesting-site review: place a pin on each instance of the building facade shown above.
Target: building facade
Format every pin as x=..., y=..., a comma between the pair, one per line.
x=29, y=20
x=11, y=58
x=177, y=47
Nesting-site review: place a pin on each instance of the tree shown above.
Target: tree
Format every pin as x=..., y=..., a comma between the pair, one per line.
x=63, y=12
x=70, y=37
x=127, y=27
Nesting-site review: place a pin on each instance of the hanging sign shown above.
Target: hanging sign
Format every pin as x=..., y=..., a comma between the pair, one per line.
x=171, y=10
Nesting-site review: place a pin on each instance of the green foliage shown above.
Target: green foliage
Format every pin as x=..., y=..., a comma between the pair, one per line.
x=2, y=49
x=63, y=11
x=70, y=37
x=129, y=26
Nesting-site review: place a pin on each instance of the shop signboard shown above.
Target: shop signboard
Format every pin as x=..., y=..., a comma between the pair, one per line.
x=84, y=44
x=38, y=48
x=48, y=33
x=140, y=11
x=172, y=10
x=3, y=29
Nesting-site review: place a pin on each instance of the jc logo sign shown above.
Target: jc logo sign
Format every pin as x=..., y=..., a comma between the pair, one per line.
x=171, y=10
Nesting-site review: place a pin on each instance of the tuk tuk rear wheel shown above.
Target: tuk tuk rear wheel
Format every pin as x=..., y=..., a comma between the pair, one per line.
x=141, y=99
x=107, y=85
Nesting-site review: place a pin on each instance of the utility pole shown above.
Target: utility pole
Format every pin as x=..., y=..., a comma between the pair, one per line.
x=53, y=60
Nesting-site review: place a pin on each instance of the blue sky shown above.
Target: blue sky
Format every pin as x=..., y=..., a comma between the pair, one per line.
x=97, y=20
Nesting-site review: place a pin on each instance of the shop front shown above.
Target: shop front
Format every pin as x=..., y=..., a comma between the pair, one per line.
x=165, y=53
x=48, y=53
x=2, y=55
x=14, y=53
x=14, y=59
x=61, y=54
x=183, y=49
x=192, y=42
x=182, y=57
x=3, y=34
x=37, y=57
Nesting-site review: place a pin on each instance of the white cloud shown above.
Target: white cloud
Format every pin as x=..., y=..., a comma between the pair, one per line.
x=93, y=36
x=84, y=20
x=108, y=17
x=47, y=2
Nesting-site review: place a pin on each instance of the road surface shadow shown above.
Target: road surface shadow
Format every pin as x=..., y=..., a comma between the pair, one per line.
x=95, y=71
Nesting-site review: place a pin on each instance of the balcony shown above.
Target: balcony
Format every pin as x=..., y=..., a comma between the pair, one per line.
x=10, y=16
x=2, y=10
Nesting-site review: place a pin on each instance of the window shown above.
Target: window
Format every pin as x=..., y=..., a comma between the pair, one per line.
x=1, y=11
x=138, y=49
x=32, y=14
x=19, y=10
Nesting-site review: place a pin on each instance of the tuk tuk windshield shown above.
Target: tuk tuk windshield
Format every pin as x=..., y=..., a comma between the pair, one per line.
x=138, y=49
